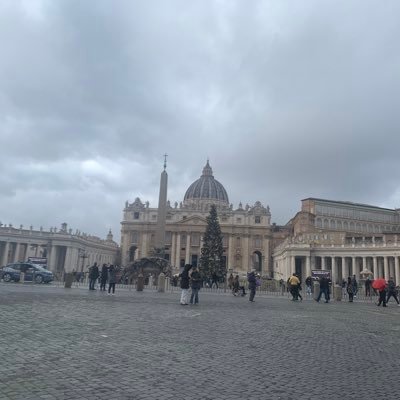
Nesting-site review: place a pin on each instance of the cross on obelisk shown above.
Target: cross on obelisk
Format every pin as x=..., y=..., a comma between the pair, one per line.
x=165, y=160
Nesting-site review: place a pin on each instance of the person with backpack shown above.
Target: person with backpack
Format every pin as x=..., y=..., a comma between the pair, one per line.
x=93, y=275
x=103, y=277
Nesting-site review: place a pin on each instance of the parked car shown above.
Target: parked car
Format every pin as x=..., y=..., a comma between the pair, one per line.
x=33, y=272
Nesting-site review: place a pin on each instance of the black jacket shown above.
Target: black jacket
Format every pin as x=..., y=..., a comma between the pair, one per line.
x=185, y=277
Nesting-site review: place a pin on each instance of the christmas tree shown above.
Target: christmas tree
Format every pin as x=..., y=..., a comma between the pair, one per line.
x=211, y=260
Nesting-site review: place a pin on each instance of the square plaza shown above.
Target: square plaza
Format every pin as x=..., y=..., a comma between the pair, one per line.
x=61, y=343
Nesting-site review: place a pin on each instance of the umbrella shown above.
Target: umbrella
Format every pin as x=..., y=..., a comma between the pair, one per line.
x=379, y=284
x=366, y=272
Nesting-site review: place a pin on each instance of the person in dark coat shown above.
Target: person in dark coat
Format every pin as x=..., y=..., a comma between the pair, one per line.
x=324, y=288
x=195, y=282
x=382, y=296
x=368, y=287
x=184, y=275
x=103, y=277
x=251, y=278
x=391, y=291
x=112, y=279
x=350, y=289
x=93, y=275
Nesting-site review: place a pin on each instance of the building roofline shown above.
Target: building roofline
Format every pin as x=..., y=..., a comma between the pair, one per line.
x=349, y=203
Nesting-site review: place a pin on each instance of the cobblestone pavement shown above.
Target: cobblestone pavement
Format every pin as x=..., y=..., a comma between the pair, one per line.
x=60, y=343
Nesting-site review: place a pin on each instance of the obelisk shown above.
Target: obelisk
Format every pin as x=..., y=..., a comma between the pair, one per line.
x=162, y=212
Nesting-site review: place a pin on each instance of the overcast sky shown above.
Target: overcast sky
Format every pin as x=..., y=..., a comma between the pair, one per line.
x=288, y=100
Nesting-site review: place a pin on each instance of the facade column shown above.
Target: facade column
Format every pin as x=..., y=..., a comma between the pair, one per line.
x=230, y=252
x=364, y=263
x=287, y=263
x=5, y=255
x=144, y=245
x=375, y=267
x=396, y=270
x=292, y=265
x=178, y=251
x=308, y=266
x=245, y=259
x=17, y=250
x=323, y=267
x=173, y=248
x=386, y=267
x=333, y=270
x=187, y=253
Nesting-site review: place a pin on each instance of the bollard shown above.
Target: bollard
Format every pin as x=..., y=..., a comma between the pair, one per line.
x=140, y=283
x=68, y=280
x=337, y=293
x=161, y=283
x=316, y=290
x=22, y=277
x=167, y=284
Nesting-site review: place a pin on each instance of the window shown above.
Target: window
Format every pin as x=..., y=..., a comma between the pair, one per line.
x=257, y=219
x=153, y=216
x=195, y=239
x=239, y=220
x=134, y=237
x=136, y=215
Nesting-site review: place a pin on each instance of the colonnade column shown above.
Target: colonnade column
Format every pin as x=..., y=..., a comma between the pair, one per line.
x=386, y=267
x=187, y=254
x=333, y=270
x=344, y=272
x=323, y=263
x=375, y=267
x=5, y=255
x=355, y=270
x=17, y=249
x=178, y=251
x=397, y=270
x=364, y=264
x=308, y=266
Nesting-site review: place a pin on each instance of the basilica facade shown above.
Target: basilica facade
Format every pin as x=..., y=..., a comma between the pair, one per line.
x=246, y=229
x=342, y=237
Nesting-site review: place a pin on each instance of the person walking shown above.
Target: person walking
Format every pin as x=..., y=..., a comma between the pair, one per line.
x=368, y=287
x=350, y=289
x=382, y=296
x=309, y=286
x=236, y=287
x=355, y=285
x=230, y=281
x=323, y=288
x=391, y=291
x=251, y=278
x=294, y=283
x=184, y=275
x=112, y=279
x=214, y=280
x=93, y=275
x=103, y=277
x=195, y=282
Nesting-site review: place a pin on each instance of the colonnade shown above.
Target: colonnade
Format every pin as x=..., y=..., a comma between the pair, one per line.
x=341, y=267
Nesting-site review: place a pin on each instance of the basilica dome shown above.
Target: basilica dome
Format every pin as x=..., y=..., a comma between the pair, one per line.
x=206, y=189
